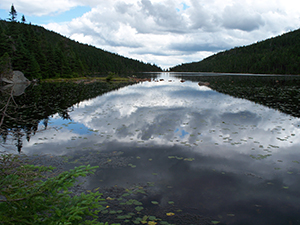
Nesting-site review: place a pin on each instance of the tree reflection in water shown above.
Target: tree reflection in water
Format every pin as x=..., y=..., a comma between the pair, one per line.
x=21, y=113
x=204, y=150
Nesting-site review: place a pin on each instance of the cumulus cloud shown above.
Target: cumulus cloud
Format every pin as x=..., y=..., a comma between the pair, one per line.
x=39, y=7
x=159, y=112
x=154, y=30
x=238, y=17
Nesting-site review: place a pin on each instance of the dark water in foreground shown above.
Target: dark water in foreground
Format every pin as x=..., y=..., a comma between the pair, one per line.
x=196, y=149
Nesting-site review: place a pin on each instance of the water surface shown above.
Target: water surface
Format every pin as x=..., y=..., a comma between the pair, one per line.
x=205, y=152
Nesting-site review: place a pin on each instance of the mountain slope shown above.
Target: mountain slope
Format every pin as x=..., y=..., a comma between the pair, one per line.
x=40, y=53
x=279, y=55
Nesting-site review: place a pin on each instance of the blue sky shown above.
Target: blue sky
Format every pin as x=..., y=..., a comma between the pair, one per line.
x=184, y=7
x=77, y=128
x=164, y=32
x=51, y=18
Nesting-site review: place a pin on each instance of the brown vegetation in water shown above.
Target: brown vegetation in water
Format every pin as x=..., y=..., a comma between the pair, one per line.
x=203, y=83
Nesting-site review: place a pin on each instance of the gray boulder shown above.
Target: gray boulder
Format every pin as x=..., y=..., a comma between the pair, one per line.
x=16, y=77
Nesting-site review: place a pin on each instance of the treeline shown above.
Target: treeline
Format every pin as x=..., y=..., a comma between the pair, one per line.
x=279, y=55
x=42, y=54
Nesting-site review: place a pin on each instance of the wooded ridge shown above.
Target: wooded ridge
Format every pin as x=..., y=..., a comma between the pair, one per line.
x=278, y=55
x=41, y=54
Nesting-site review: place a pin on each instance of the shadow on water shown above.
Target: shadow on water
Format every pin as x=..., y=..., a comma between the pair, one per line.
x=174, y=150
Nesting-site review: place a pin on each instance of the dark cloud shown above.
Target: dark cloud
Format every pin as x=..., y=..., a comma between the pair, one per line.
x=164, y=16
x=237, y=17
x=150, y=52
x=123, y=7
x=125, y=43
x=199, y=17
x=195, y=47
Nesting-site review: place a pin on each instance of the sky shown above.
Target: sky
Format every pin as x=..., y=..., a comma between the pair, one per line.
x=163, y=32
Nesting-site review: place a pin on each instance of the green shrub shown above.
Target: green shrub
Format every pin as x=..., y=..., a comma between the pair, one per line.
x=31, y=194
x=110, y=76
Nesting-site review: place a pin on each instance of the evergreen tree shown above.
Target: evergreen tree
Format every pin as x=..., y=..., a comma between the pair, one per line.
x=23, y=19
x=33, y=68
x=21, y=57
x=13, y=14
x=5, y=64
x=4, y=42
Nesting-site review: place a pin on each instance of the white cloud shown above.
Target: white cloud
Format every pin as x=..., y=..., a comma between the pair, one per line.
x=144, y=111
x=241, y=18
x=39, y=7
x=169, y=32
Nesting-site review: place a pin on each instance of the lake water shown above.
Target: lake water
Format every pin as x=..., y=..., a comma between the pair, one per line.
x=193, y=149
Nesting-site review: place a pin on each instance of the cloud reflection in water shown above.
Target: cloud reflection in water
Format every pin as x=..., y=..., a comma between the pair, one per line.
x=221, y=155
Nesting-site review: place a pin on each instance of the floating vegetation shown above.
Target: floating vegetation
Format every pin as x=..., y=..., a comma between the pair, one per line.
x=150, y=184
x=282, y=139
x=189, y=159
x=133, y=202
x=191, y=149
x=132, y=166
x=139, y=208
x=273, y=146
x=260, y=157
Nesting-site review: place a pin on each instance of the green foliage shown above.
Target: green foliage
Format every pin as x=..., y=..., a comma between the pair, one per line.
x=5, y=64
x=4, y=42
x=279, y=55
x=13, y=14
x=32, y=195
x=110, y=76
x=40, y=53
x=23, y=20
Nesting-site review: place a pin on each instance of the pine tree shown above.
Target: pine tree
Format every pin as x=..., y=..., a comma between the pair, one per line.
x=4, y=42
x=5, y=64
x=23, y=20
x=13, y=14
x=33, y=68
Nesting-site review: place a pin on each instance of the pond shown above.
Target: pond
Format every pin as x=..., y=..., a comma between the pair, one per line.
x=201, y=148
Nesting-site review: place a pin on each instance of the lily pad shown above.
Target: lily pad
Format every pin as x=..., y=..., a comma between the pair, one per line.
x=139, y=208
x=154, y=202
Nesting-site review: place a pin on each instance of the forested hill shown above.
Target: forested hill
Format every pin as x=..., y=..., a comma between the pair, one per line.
x=279, y=55
x=40, y=53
